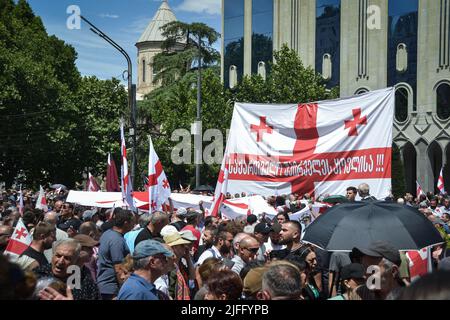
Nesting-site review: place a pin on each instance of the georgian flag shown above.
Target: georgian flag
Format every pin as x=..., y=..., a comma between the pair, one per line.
x=221, y=190
x=126, y=184
x=19, y=241
x=92, y=184
x=419, y=190
x=419, y=262
x=314, y=148
x=41, y=202
x=440, y=184
x=158, y=184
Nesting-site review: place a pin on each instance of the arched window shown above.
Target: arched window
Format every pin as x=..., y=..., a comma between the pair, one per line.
x=143, y=70
x=443, y=100
x=361, y=91
x=401, y=104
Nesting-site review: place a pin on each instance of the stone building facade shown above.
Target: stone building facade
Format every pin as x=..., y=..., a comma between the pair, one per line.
x=360, y=45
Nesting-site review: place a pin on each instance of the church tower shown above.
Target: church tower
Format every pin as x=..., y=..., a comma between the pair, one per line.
x=149, y=45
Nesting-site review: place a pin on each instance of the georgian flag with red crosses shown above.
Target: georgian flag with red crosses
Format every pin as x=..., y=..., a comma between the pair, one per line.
x=158, y=186
x=317, y=148
x=19, y=241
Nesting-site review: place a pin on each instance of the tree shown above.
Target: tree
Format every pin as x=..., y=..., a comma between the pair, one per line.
x=196, y=40
x=54, y=122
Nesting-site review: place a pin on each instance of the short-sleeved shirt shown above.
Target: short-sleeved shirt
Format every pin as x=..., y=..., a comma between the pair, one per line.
x=130, y=239
x=36, y=255
x=145, y=234
x=137, y=288
x=113, y=250
x=212, y=252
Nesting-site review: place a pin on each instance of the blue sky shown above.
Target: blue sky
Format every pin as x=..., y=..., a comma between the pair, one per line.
x=123, y=21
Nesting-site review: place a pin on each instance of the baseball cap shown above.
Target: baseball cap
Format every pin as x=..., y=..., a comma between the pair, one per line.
x=253, y=281
x=86, y=241
x=88, y=214
x=262, y=228
x=181, y=212
x=382, y=249
x=168, y=229
x=148, y=248
x=175, y=239
x=352, y=271
x=188, y=235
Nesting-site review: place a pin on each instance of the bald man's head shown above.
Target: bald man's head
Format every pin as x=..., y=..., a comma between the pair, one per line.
x=51, y=217
x=248, y=248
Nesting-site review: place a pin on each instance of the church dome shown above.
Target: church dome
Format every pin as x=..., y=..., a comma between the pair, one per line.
x=153, y=31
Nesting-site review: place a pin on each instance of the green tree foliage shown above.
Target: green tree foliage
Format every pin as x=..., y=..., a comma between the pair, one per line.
x=183, y=45
x=54, y=123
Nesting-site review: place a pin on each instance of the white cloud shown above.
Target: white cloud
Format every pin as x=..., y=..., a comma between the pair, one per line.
x=198, y=6
x=107, y=15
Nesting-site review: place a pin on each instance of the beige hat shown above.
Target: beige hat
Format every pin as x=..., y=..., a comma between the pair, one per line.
x=175, y=239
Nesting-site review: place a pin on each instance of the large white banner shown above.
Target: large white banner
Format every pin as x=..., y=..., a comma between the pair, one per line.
x=318, y=148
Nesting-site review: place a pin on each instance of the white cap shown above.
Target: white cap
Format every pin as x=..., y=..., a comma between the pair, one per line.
x=169, y=229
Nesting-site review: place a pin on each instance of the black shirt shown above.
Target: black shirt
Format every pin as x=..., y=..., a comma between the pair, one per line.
x=36, y=255
x=145, y=234
x=179, y=225
x=88, y=289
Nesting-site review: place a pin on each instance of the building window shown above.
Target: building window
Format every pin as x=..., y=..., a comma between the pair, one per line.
x=402, y=43
x=361, y=91
x=262, y=33
x=143, y=71
x=328, y=37
x=443, y=101
x=401, y=104
x=233, y=38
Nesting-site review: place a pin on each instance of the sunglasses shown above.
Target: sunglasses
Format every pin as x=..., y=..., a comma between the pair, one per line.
x=252, y=250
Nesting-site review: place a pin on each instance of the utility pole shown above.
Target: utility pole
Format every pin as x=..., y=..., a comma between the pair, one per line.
x=131, y=92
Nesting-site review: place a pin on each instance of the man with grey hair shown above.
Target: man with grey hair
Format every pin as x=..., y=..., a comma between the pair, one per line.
x=158, y=221
x=281, y=282
x=130, y=237
x=150, y=261
x=385, y=260
x=51, y=217
x=64, y=267
x=364, y=192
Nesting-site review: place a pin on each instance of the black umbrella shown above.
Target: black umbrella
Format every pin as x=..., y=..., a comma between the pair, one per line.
x=203, y=188
x=58, y=185
x=358, y=224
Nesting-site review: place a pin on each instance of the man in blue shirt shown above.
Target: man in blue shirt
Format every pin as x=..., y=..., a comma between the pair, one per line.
x=151, y=260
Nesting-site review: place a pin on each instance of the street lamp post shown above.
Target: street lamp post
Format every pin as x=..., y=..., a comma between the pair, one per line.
x=131, y=91
x=199, y=113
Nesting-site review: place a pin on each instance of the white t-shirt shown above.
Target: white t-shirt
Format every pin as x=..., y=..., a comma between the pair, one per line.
x=213, y=252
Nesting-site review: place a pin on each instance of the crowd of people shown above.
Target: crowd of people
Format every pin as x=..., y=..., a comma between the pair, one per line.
x=80, y=253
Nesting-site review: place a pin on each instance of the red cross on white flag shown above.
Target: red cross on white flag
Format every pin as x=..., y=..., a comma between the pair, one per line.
x=19, y=241
x=419, y=190
x=318, y=148
x=41, y=202
x=158, y=185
